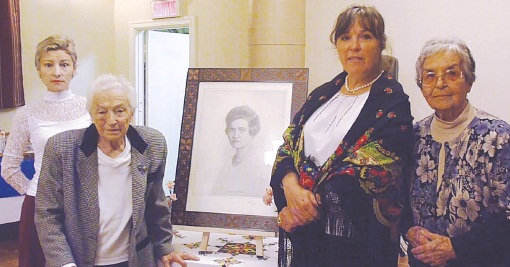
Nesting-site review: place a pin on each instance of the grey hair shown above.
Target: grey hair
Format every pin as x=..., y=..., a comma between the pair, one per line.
x=457, y=46
x=245, y=113
x=107, y=82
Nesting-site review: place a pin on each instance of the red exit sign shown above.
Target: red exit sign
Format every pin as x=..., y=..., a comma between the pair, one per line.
x=165, y=9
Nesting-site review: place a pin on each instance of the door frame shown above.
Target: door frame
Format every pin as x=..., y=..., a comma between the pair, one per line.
x=136, y=28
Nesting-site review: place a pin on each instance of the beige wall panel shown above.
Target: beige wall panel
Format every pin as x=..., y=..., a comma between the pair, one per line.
x=278, y=22
x=277, y=56
x=222, y=31
x=100, y=28
x=88, y=22
x=126, y=11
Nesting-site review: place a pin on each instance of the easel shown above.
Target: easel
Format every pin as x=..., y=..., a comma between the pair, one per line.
x=206, y=233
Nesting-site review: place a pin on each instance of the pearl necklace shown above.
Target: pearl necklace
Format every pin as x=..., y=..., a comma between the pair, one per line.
x=354, y=90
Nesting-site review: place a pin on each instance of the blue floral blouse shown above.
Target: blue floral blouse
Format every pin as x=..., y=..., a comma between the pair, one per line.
x=474, y=194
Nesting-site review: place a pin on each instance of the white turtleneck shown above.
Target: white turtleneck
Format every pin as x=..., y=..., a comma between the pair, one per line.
x=35, y=124
x=445, y=131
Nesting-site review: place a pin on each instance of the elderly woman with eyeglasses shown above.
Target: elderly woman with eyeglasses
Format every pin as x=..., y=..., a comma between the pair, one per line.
x=460, y=190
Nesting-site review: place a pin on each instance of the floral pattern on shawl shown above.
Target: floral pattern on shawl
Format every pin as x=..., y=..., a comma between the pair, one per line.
x=371, y=155
x=475, y=182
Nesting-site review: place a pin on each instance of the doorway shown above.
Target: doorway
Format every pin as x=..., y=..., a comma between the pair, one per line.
x=162, y=51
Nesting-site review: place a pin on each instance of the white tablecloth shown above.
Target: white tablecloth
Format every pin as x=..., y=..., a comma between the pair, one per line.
x=10, y=209
x=227, y=250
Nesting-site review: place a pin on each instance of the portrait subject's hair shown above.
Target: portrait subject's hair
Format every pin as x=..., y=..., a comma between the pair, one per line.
x=56, y=42
x=369, y=18
x=452, y=45
x=107, y=82
x=246, y=113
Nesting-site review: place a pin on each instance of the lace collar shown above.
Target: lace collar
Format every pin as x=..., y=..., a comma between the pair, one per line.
x=58, y=96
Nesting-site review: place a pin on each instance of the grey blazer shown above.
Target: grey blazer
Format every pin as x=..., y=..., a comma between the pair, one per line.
x=66, y=208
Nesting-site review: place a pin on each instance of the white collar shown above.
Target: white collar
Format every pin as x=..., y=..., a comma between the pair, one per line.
x=58, y=96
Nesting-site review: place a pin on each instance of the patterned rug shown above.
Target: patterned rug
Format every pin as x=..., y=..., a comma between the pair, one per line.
x=227, y=250
x=238, y=248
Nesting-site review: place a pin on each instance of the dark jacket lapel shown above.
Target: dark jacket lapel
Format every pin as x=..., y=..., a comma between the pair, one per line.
x=88, y=170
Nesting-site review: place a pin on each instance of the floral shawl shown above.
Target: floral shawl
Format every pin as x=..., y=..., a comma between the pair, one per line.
x=373, y=152
x=472, y=203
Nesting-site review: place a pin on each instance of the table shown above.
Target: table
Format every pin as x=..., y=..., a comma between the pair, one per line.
x=27, y=167
x=10, y=209
x=226, y=249
x=10, y=199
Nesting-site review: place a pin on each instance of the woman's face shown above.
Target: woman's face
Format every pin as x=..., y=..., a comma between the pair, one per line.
x=111, y=113
x=359, y=51
x=56, y=70
x=238, y=133
x=448, y=98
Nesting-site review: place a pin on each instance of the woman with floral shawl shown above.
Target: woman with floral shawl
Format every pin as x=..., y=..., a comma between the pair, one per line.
x=337, y=179
x=460, y=190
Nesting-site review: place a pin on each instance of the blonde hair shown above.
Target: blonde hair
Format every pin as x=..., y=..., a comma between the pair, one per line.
x=56, y=42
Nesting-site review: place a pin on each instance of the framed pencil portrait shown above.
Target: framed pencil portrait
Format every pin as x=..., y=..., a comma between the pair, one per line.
x=232, y=125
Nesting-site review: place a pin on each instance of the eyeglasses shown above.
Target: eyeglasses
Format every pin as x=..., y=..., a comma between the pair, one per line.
x=429, y=79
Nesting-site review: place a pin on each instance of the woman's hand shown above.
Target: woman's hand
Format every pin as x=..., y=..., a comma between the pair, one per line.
x=268, y=197
x=415, y=236
x=178, y=257
x=301, y=202
x=435, y=252
x=288, y=221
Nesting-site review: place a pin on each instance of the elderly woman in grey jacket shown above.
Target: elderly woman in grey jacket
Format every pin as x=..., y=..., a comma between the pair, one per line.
x=100, y=199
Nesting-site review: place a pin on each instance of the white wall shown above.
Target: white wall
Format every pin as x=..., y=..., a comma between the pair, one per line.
x=409, y=24
x=88, y=22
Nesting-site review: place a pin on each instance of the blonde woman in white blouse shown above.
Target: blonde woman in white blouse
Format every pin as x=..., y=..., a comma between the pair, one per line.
x=59, y=110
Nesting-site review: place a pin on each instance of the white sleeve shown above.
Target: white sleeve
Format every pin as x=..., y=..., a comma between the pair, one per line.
x=13, y=153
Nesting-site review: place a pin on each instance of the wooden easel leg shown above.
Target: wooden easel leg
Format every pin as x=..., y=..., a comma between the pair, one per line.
x=259, y=246
x=203, y=245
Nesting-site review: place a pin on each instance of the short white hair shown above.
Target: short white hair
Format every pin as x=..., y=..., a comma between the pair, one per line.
x=454, y=45
x=107, y=82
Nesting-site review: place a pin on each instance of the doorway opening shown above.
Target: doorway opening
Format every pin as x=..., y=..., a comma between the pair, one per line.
x=162, y=51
